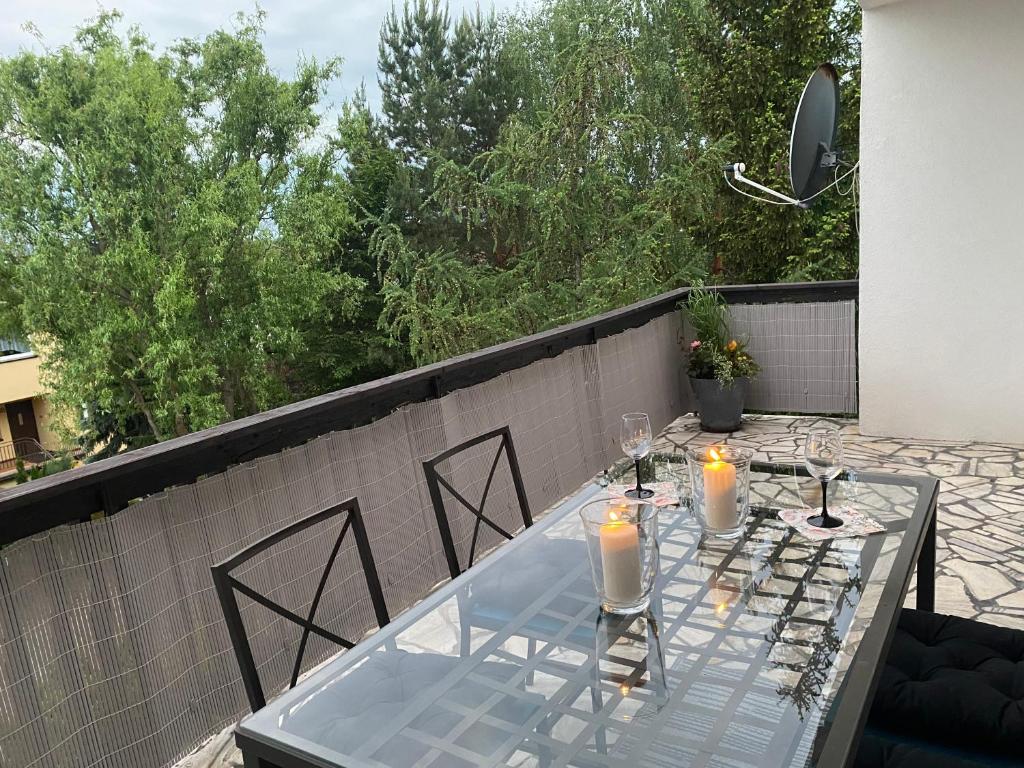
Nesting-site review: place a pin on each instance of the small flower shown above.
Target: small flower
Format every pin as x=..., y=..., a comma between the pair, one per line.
x=695, y=344
x=731, y=346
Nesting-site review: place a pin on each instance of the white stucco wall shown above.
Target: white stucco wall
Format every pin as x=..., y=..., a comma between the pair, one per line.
x=942, y=220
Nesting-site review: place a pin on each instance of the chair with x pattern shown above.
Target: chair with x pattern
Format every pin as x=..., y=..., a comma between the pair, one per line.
x=435, y=481
x=226, y=586
x=493, y=600
x=393, y=675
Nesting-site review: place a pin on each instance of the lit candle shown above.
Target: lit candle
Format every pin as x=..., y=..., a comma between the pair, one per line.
x=719, y=492
x=620, y=559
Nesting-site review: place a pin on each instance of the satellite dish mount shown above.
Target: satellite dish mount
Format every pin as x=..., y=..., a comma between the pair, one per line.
x=813, y=156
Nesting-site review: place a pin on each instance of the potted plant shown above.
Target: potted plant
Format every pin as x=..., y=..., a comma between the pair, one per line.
x=719, y=365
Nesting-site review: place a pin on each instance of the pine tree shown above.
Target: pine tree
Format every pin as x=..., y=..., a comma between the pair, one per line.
x=444, y=91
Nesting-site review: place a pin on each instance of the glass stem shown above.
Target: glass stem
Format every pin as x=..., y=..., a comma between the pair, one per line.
x=638, y=488
x=824, y=503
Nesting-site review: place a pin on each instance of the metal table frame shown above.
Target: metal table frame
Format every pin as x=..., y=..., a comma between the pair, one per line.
x=851, y=707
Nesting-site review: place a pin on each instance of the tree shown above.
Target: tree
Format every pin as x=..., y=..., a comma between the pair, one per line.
x=444, y=91
x=586, y=202
x=189, y=246
x=747, y=63
x=164, y=221
x=349, y=348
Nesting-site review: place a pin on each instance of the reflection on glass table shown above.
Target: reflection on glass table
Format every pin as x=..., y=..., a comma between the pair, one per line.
x=744, y=657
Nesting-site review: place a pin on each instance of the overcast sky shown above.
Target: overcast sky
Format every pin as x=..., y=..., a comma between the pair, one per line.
x=320, y=28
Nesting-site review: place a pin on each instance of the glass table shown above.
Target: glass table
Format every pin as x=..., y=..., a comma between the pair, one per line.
x=762, y=651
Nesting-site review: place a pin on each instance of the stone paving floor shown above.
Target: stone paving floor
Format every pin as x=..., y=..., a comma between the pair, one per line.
x=980, y=557
x=980, y=542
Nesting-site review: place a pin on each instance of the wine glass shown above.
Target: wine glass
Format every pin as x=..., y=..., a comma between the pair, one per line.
x=636, y=443
x=823, y=455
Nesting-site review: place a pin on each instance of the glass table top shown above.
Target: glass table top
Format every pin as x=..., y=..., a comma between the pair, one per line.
x=740, y=660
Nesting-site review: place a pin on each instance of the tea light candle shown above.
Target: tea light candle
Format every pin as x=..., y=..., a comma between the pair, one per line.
x=719, y=492
x=620, y=559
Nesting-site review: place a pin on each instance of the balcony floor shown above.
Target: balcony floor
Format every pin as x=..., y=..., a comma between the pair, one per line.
x=980, y=557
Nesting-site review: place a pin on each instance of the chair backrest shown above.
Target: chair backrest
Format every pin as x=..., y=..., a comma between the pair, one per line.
x=435, y=481
x=226, y=586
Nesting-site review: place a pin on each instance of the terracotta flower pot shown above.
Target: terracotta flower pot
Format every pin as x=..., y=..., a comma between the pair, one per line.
x=720, y=408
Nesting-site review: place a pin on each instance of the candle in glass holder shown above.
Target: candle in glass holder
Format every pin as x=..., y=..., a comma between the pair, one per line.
x=620, y=559
x=719, y=492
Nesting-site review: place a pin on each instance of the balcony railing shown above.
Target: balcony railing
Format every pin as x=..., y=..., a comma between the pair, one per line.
x=28, y=449
x=114, y=649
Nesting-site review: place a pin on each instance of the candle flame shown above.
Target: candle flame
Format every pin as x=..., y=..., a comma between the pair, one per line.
x=624, y=689
x=613, y=515
x=714, y=454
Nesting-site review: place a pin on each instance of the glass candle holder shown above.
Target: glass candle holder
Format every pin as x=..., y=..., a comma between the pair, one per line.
x=720, y=489
x=623, y=544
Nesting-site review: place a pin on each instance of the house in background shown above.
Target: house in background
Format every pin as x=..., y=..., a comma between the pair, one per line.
x=26, y=429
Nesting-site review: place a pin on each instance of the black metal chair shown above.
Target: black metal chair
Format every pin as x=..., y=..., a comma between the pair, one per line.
x=226, y=585
x=395, y=675
x=435, y=481
x=492, y=602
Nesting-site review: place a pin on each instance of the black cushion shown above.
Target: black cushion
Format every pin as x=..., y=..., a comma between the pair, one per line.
x=883, y=750
x=954, y=682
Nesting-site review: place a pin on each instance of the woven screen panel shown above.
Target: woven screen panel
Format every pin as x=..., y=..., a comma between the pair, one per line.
x=113, y=648
x=807, y=353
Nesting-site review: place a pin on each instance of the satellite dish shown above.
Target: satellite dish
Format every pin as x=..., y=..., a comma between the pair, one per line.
x=813, y=156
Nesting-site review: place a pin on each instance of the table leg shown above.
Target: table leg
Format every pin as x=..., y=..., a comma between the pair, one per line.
x=926, y=568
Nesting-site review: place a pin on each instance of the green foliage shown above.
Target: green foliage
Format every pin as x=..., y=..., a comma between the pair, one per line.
x=103, y=435
x=713, y=354
x=165, y=222
x=588, y=200
x=444, y=91
x=24, y=474
x=349, y=348
x=189, y=244
x=708, y=316
x=747, y=65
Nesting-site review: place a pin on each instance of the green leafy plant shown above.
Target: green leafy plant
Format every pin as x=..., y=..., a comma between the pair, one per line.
x=584, y=201
x=25, y=473
x=714, y=354
x=166, y=218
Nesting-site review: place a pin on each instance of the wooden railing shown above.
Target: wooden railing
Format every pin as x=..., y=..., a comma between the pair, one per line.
x=109, y=485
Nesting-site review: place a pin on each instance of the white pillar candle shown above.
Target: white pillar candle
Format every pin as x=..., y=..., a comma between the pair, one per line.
x=719, y=492
x=620, y=560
